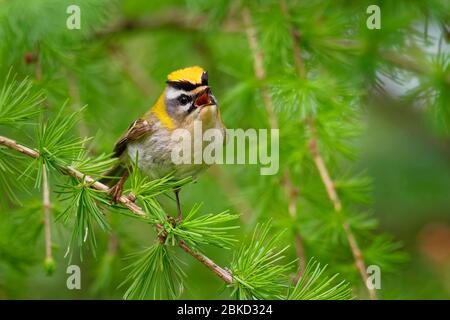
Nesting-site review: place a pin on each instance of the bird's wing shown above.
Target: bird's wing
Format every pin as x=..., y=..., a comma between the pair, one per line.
x=136, y=130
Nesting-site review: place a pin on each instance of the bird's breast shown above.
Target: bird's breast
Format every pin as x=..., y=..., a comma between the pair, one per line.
x=156, y=151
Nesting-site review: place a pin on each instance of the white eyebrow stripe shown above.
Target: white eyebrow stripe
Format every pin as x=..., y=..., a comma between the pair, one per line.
x=173, y=93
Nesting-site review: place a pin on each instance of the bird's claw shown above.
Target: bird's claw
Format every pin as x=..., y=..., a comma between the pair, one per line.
x=115, y=193
x=131, y=197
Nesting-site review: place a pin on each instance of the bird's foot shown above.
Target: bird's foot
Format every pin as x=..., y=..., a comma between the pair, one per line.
x=131, y=197
x=116, y=192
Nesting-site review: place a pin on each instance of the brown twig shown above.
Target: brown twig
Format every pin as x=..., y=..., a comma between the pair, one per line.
x=113, y=243
x=46, y=204
x=258, y=66
x=402, y=60
x=411, y=64
x=320, y=163
x=334, y=198
x=74, y=93
x=173, y=20
x=292, y=193
x=19, y=148
x=133, y=71
x=222, y=273
x=323, y=171
x=289, y=188
x=179, y=21
x=295, y=35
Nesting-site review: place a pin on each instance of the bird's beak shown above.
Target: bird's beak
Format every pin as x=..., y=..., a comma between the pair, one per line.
x=204, y=99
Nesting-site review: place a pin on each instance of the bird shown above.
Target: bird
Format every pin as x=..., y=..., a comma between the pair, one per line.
x=186, y=98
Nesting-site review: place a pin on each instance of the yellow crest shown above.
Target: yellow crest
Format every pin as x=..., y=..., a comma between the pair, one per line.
x=190, y=74
x=194, y=75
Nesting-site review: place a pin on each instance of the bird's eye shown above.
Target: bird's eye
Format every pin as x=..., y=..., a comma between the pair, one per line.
x=183, y=99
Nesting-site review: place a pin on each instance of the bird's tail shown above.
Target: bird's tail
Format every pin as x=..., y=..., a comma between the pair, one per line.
x=111, y=176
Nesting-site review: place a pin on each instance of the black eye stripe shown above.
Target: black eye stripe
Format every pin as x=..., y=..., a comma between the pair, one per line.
x=184, y=99
x=191, y=108
x=183, y=85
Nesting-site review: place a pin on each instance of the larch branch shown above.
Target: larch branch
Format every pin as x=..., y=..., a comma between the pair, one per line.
x=133, y=71
x=260, y=73
x=258, y=65
x=125, y=201
x=334, y=198
x=323, y=171
x=173, y=20
x=74, y=93
x=46, y=204
x=320, y=163
x=295, y=35
x=220, y=272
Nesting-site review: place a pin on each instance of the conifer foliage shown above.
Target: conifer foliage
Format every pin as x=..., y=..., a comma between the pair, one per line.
x=308, y=68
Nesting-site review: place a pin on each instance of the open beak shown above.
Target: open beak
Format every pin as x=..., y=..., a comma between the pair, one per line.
x=204, y=99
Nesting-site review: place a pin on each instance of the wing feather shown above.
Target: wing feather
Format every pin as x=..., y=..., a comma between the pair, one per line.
x=136, y=130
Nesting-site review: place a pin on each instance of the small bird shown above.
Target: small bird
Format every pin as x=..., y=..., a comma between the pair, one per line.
x=186, y=98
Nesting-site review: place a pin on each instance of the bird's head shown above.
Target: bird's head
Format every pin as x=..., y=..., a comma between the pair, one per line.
x=187, y=97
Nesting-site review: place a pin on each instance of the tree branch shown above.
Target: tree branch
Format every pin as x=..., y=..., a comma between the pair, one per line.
x=320, y=163
x=258, y=65
x=399, y=60
x=133, y=71
x=19, y=148
x=179, y=21
x=222, y=273
x=292, y=194
x=173, y=20
x=74, y=93
x=295, y=35
x=409, y=63
x=334, y=198
x=290, y=191
x=323, y=171
x=46, y=204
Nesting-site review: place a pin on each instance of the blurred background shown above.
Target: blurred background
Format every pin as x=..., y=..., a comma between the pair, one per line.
x=378, y=98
